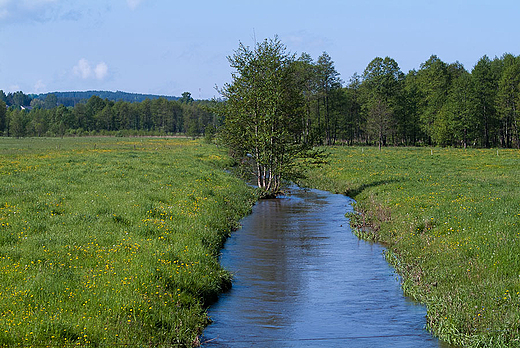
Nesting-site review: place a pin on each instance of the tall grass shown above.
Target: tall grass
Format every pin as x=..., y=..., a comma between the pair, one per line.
x=451, y=221
x=109, y=241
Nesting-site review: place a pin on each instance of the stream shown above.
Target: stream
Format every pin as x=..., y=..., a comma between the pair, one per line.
x=303, y=279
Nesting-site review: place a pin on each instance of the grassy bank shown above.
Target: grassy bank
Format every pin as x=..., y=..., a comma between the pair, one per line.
x=112, y=241
x=451, y=221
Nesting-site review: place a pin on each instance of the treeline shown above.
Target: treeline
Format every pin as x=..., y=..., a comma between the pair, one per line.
x=73, y=98
x=50, y=100
x=439, y=104
x=99, y=116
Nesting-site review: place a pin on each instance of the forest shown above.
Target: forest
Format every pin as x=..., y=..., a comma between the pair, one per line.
x=97, y=116
x=73, y=98
x=438, y=104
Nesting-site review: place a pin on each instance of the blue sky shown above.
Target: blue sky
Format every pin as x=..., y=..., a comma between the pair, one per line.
x=169, y=46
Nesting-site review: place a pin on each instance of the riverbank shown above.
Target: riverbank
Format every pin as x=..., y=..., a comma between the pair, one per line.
x=450, y=219
x=302, y=279
x=112, y=241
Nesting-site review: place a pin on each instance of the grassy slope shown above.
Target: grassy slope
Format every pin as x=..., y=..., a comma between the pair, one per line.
x=451, y=220
x=108, y=241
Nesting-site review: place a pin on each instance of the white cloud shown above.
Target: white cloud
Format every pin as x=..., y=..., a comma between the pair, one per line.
x=39, y=86
x=101, y=71
x=133, y=3
x=84, y=70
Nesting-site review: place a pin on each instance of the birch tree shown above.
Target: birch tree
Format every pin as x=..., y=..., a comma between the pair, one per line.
x=264, y=116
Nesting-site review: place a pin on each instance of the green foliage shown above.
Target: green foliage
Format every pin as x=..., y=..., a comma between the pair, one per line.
x=380, y=91
x=74, y=98
x=112, y=241
x=450, y=219
x=433, y=82
x=3, y=112
x=440, y=104
x=508, y=100
x=159, y=116
x=323, y=100
x=17, y=123
x=456, y=120
x=485, y=90
x=263, y=114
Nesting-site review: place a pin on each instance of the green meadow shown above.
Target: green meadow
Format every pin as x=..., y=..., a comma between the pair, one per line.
x=112, y=241
x=450, y=219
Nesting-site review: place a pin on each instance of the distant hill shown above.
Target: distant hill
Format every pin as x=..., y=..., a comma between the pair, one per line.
x=72, y=98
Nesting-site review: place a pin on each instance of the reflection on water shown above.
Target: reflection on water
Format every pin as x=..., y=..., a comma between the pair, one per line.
x=302, y=279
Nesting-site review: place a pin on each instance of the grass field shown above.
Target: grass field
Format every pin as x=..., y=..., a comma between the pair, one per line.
x=112, y=241
x=451, y=221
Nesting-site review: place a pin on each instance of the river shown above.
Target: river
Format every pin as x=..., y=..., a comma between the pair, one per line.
x=302, y=279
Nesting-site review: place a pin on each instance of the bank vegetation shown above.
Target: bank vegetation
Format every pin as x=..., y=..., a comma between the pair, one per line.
x=450, y=219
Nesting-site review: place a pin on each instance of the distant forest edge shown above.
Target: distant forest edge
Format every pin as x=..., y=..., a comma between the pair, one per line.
x=72, y=98
x=440, y=104
x=75, y=97
x=93, y=116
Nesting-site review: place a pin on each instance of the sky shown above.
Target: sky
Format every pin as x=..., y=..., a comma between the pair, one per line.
x=168, y=47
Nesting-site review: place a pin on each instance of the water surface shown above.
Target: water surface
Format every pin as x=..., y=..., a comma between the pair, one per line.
x=302, y=279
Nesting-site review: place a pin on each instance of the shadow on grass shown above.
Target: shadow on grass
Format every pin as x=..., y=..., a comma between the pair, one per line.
x=353, y=192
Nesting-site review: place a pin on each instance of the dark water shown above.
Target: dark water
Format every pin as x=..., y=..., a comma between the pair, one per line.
x=302, y=279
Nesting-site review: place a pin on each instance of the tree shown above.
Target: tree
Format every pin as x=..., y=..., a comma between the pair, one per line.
x=305, y=71
x=455, y=106
x=351, y=124
x=411, y=103
x=18, y=99
x=16, y=123
x=3, y=112
x=191, y=120
x=186, y=98
x=3, y=97
x=61, y=120
x=80, y=116
x=508, y=101
x=379, y=119
x=122, y=115
x=145, y=113
x=263, y=114
x=433, y=81
x=485, y=85
x=459, y=111
x=50, y=101
x=381, y=85
x=38, y=124
x=105, y=118
x=329, y=84
x=93, y=106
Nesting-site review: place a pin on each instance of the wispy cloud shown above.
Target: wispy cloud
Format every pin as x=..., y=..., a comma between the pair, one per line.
x=26, y=9
x=35, y=4
x=16, y=11
x=39, y=86
x=85, y=71
x=134, y=3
